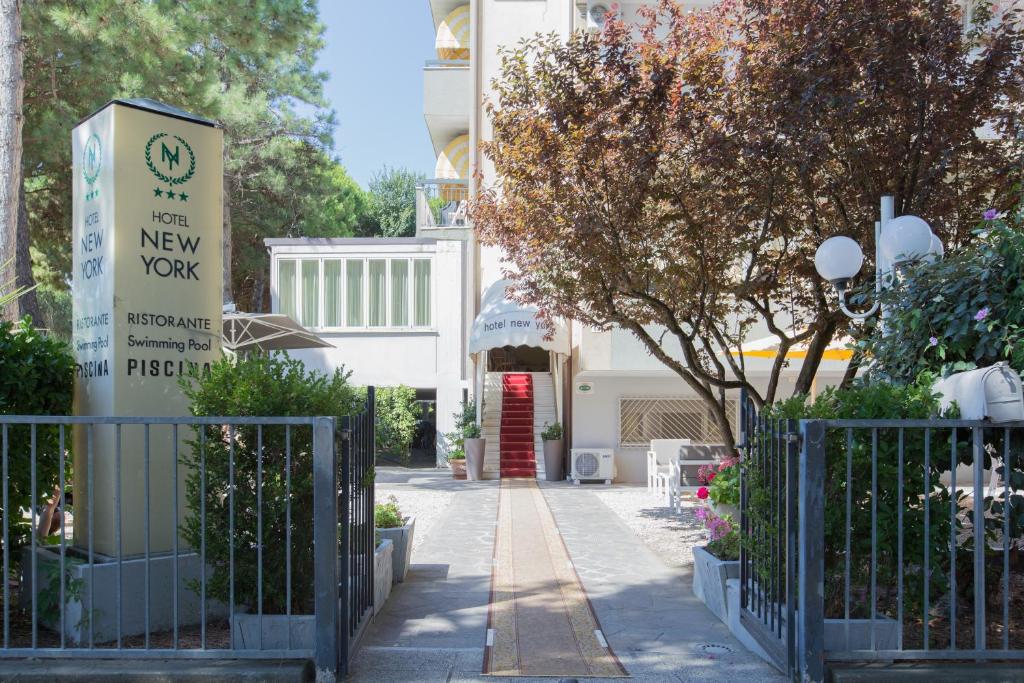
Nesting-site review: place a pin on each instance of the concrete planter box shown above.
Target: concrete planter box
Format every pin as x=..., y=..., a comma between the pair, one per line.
x=458, y=466
x=245, y=629
x=710, y=581
x=383, y=574
x=101, y=580
x=401, y=538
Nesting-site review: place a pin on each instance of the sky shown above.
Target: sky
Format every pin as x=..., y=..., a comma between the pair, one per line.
x=374, y=55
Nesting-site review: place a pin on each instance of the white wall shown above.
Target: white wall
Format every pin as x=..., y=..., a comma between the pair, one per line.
x=423, y=359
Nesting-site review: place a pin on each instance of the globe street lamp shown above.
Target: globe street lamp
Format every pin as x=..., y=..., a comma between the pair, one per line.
x=898, y=241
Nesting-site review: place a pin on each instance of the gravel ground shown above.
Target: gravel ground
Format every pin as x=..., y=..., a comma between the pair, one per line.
x=671, y=535
x=428, y=504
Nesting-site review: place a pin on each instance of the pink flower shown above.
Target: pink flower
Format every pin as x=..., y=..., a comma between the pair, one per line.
x=990, y=215
x=981, y=314
x=702, y=492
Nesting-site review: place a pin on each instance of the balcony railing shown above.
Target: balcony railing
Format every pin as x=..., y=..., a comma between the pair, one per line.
x=442, y=203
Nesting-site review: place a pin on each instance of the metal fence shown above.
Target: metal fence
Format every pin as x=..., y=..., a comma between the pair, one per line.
x=190, y=537
x=881, y=540
x=442, y=203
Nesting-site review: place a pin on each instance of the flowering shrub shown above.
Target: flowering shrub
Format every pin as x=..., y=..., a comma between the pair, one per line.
x=961, y=313
x=724, y=488
x=723, y=537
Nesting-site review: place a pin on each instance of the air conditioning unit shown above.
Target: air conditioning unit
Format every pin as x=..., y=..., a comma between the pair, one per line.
x=590, y=464
x=594, y=12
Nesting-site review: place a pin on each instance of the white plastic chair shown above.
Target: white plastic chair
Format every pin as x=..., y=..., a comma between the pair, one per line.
x=663, y=452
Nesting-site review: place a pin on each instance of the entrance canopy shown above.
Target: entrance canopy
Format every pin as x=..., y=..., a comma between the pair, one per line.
x=502, y=322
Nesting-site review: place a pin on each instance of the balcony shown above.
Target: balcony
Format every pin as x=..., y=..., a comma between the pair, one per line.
x=446, y=100
x=442, y=204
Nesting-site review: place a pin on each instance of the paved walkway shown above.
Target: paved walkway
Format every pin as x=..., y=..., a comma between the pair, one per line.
x=434, y=626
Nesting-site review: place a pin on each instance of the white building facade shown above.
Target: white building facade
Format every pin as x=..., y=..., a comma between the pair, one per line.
x=603, y=386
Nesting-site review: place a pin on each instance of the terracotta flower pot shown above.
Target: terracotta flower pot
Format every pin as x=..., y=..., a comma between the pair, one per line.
x=458, y=468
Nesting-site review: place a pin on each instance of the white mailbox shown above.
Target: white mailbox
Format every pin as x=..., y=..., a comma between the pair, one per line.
x=993, y=392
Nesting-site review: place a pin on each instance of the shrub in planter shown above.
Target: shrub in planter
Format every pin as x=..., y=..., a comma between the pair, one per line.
x=36, y=378
x=259, y=385
x=551, y=432
x=723, y=535
x=387, y=515
x=456, y=438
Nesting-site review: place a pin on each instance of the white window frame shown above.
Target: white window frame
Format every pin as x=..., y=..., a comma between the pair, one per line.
x=365, y=257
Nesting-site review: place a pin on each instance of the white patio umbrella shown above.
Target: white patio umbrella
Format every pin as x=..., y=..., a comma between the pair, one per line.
x=267, y=332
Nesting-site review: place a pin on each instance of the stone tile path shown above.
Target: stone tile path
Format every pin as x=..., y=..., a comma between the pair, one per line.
x=434, y=626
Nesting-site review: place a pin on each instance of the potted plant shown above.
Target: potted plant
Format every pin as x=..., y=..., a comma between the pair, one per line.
x=391, y=525
x=717, y=562
x=552, y=437
x=475, y=447
x=457, y=439
x=721, y=488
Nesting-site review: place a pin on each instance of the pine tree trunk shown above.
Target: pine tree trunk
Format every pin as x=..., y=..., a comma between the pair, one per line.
x=228, y=295
x=27, y=303
x=12, y=87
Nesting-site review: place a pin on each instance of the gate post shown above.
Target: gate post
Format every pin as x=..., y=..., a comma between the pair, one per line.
x=325, y=550
x=810, y=632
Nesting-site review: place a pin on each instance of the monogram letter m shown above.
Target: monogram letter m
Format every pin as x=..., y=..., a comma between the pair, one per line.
x=172, y=159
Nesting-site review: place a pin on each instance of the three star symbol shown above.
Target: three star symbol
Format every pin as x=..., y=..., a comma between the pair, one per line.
x=170, y=194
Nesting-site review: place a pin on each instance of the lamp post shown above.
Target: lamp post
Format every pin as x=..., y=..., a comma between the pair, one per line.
x=898, y=241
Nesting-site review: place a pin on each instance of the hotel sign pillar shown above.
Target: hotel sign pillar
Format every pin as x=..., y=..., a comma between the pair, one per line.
x=147, y=240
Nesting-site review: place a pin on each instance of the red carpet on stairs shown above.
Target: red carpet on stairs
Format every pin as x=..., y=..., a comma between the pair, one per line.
x=517, y=446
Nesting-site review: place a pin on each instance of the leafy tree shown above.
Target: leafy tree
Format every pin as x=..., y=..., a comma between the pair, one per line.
x=674, y=180
x=392, y=204
x=248, y=65
x=36, y=378
x=957, y=314
x=397, y=412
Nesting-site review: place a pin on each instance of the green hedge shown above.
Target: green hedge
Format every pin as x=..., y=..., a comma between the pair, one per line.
x=259, y=386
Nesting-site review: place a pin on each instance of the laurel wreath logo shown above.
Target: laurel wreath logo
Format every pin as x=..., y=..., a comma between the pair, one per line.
x=171, y=180
x=91, y=171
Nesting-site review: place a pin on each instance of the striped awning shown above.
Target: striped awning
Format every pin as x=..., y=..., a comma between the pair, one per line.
x=453, y=161
x=453, y=35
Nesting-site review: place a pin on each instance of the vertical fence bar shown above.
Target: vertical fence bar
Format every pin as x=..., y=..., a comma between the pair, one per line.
x=744, y=463
x=952, y=540
x=288, y=526
x=927, y=578
x=202, y=536
x=874, y=531
x=792, y=543
x=63, y=539
x=346, y=538
x=899, y=542
x=174, y=532
x=979, y=537
x=849, y=534
x=32, y=537
x=231, y=530
x=91, y=473
x=1006, y=538
x=145, y=459
x=120, y=540
x=259, y=529
x=371, y=450
x=325, y=544
x=7, y=548
x=811, y=612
